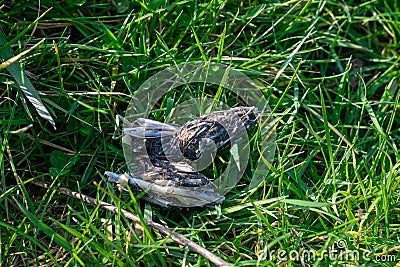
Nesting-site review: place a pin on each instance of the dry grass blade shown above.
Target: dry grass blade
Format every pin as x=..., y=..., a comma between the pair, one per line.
x=14, y=59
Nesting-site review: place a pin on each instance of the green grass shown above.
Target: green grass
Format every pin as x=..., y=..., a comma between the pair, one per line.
x=329, y=68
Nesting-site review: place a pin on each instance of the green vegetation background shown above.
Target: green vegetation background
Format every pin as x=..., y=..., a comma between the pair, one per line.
x=331, y=70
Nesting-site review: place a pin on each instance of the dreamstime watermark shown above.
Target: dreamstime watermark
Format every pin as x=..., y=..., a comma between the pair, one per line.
x=340, y=250
x=153, y=91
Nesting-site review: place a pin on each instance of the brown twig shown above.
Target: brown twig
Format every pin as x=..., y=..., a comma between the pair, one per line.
x=175, y=236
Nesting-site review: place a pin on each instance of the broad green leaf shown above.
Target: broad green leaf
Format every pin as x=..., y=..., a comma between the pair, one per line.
x=58, y=159
x=23, y=81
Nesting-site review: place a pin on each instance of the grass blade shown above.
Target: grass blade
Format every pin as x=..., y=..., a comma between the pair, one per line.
x=24, y=83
